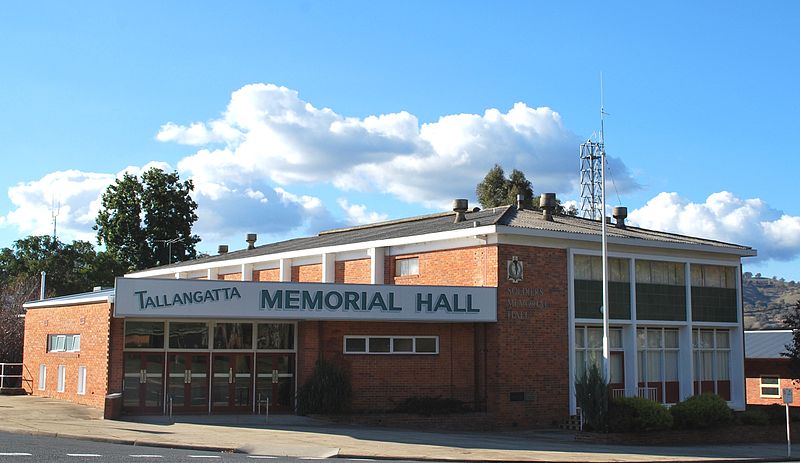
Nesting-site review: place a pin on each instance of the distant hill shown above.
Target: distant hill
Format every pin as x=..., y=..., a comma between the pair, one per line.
x=766, y=300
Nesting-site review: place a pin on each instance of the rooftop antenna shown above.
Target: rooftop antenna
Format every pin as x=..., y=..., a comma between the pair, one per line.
x=54, y=210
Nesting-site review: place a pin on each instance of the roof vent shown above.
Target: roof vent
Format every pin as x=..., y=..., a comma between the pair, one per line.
x=620, y=213
x=520, y=202
x=547, y=202
x=460, y=207
x=222, y=249
x=251, y=240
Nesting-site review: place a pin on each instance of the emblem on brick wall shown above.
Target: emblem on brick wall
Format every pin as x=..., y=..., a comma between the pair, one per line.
x=514, y=267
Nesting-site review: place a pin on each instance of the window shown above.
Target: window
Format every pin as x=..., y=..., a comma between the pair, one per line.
x=406, y=267
x=589, y=350
x=81, y=380
x=588, y=287
x=62, y=378
x=275, y=336
x=657, y=352
x=233, y=336
x=712, y=359
x=188, y=335
x=391, y=344
x=63, y=343
x=42, y=377
x=660, y=290
x=714, y=293
x=144, y=335
x=771, y=387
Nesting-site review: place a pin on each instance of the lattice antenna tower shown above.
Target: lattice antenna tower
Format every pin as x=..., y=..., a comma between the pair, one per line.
x=592, y=158
x=56, y=208
x=591, y=179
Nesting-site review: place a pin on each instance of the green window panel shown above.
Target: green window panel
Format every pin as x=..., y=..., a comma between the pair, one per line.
x=660, y=302
x=714, y=304
x=589, y=299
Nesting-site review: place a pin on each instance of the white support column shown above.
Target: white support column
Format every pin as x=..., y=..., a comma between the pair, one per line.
x=212, y=274
x=247, y=272
x=328, y=268
x=737, y=377
x=179, y=275
x=376, y=265
x=571, y=327
x=285, y=270
x=629, y=340
x=686, y=353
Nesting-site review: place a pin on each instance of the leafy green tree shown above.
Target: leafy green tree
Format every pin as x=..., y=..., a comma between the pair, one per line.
x=517, y=184
x=497, y=190
x=792, y=321
x=169, y=216
x=492, y=191
x=142, y=221
x=119, y=222
x=71, y=268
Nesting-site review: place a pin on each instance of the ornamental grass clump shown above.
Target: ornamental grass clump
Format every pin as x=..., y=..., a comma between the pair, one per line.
x=591, y=394
x=327, y=391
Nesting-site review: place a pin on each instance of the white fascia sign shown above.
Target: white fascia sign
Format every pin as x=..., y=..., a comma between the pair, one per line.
x=171, y=298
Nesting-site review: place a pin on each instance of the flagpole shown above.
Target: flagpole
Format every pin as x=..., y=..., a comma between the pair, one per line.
x=604, y=252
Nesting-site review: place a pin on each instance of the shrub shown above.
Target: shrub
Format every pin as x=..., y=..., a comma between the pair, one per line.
x=701, y=411
x=328, y=390
x=591, y=394
x=428, y=406
x=636, y=414
x=755, y=417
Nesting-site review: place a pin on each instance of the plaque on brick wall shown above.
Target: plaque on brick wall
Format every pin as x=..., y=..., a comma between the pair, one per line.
x=514, y=269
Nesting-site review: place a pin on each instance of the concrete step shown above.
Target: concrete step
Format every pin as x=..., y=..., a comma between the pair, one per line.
x=12, y=391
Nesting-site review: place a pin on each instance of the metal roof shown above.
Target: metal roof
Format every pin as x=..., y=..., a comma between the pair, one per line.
x=766, y=344
x=509, y=216
x=103, y=295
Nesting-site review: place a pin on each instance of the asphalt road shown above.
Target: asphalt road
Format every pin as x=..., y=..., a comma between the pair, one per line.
x=20, y=448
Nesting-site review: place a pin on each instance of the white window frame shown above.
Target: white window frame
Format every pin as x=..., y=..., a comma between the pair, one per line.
x=82, y=380
x=59, y=342
x=62, y=378
x=777, y=386
x=42, y=377
x=391, y=345
x=662, y=351
x=402, y=266
x=697, y=352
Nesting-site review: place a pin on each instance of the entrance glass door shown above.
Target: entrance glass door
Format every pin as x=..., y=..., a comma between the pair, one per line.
x=275, y=381
x=232, y=383
x=143, y=383
x=188, y=382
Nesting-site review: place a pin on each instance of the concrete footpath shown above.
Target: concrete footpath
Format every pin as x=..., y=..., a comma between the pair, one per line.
x=305, y=437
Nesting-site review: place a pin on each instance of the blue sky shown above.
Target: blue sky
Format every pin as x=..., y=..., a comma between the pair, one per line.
x=296, y=116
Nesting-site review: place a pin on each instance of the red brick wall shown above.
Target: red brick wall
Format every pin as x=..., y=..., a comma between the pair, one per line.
x=473, y=266
x=230, y=276
x=311, y=273
x=353, y=271
x=755, y=368
x=92, y=322
x=380, y=382
x=272, y=274
x=528, y=346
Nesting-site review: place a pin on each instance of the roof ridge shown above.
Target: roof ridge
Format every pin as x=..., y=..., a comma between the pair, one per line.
x=384, y=223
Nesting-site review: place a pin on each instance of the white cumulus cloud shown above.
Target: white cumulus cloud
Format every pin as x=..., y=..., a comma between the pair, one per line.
x=270, y=132
x=725, y=217
x=357, y=214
